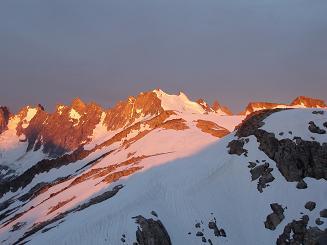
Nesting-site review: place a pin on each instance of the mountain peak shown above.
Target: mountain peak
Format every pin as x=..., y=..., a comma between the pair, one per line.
x=308, y=102
x=221, y=109
x=78, y=104
x=182, y=103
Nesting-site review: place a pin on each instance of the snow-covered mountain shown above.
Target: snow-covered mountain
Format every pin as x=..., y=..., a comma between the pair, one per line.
x=162, y=169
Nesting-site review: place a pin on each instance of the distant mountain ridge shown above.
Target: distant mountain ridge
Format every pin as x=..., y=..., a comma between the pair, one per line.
x=70, y=126
x=299, y=102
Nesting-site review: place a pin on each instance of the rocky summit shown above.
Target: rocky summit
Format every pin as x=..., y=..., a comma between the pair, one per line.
x=162, y=169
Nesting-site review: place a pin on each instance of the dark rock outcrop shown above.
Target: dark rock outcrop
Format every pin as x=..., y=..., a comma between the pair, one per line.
x=297, y=232
x=212, y=225
x=252, y=165
x=151, y=232
x=236, y=147
x=323, y=213
x=295, y=159
x=318, y=221
x=263, y=173
x=258, y=171
x=275, y=218
x=313, y=128
x=318, y=112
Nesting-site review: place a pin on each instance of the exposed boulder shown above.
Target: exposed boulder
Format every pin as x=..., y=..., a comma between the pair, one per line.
x=151, y=232
x=275, y=218
x=236, y=147
x=310, y=205
x=301, y=185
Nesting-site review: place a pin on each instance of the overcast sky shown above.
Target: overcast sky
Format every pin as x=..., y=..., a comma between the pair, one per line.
x=235, y=51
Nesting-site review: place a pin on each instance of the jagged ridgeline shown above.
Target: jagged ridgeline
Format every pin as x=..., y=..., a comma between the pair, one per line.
x=162, y=169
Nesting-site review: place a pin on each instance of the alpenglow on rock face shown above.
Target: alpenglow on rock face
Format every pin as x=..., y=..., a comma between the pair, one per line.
x=162, y=169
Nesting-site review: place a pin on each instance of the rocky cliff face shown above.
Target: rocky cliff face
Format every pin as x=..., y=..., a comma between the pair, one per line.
x=127, y=112
x=62, y=131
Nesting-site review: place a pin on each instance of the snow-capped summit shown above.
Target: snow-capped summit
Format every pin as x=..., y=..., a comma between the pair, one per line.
x=181, y=103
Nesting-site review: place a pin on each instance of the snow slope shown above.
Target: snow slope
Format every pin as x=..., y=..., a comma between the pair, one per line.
x=174, y=160
x=185, y=176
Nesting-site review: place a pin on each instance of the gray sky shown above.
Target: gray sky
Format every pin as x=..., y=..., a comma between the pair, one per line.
x=235, y=51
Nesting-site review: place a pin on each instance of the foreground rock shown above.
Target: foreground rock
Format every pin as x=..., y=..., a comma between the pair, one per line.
x=151, y=232
x=295, y=159
x=274, y=219
x=297, y=232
